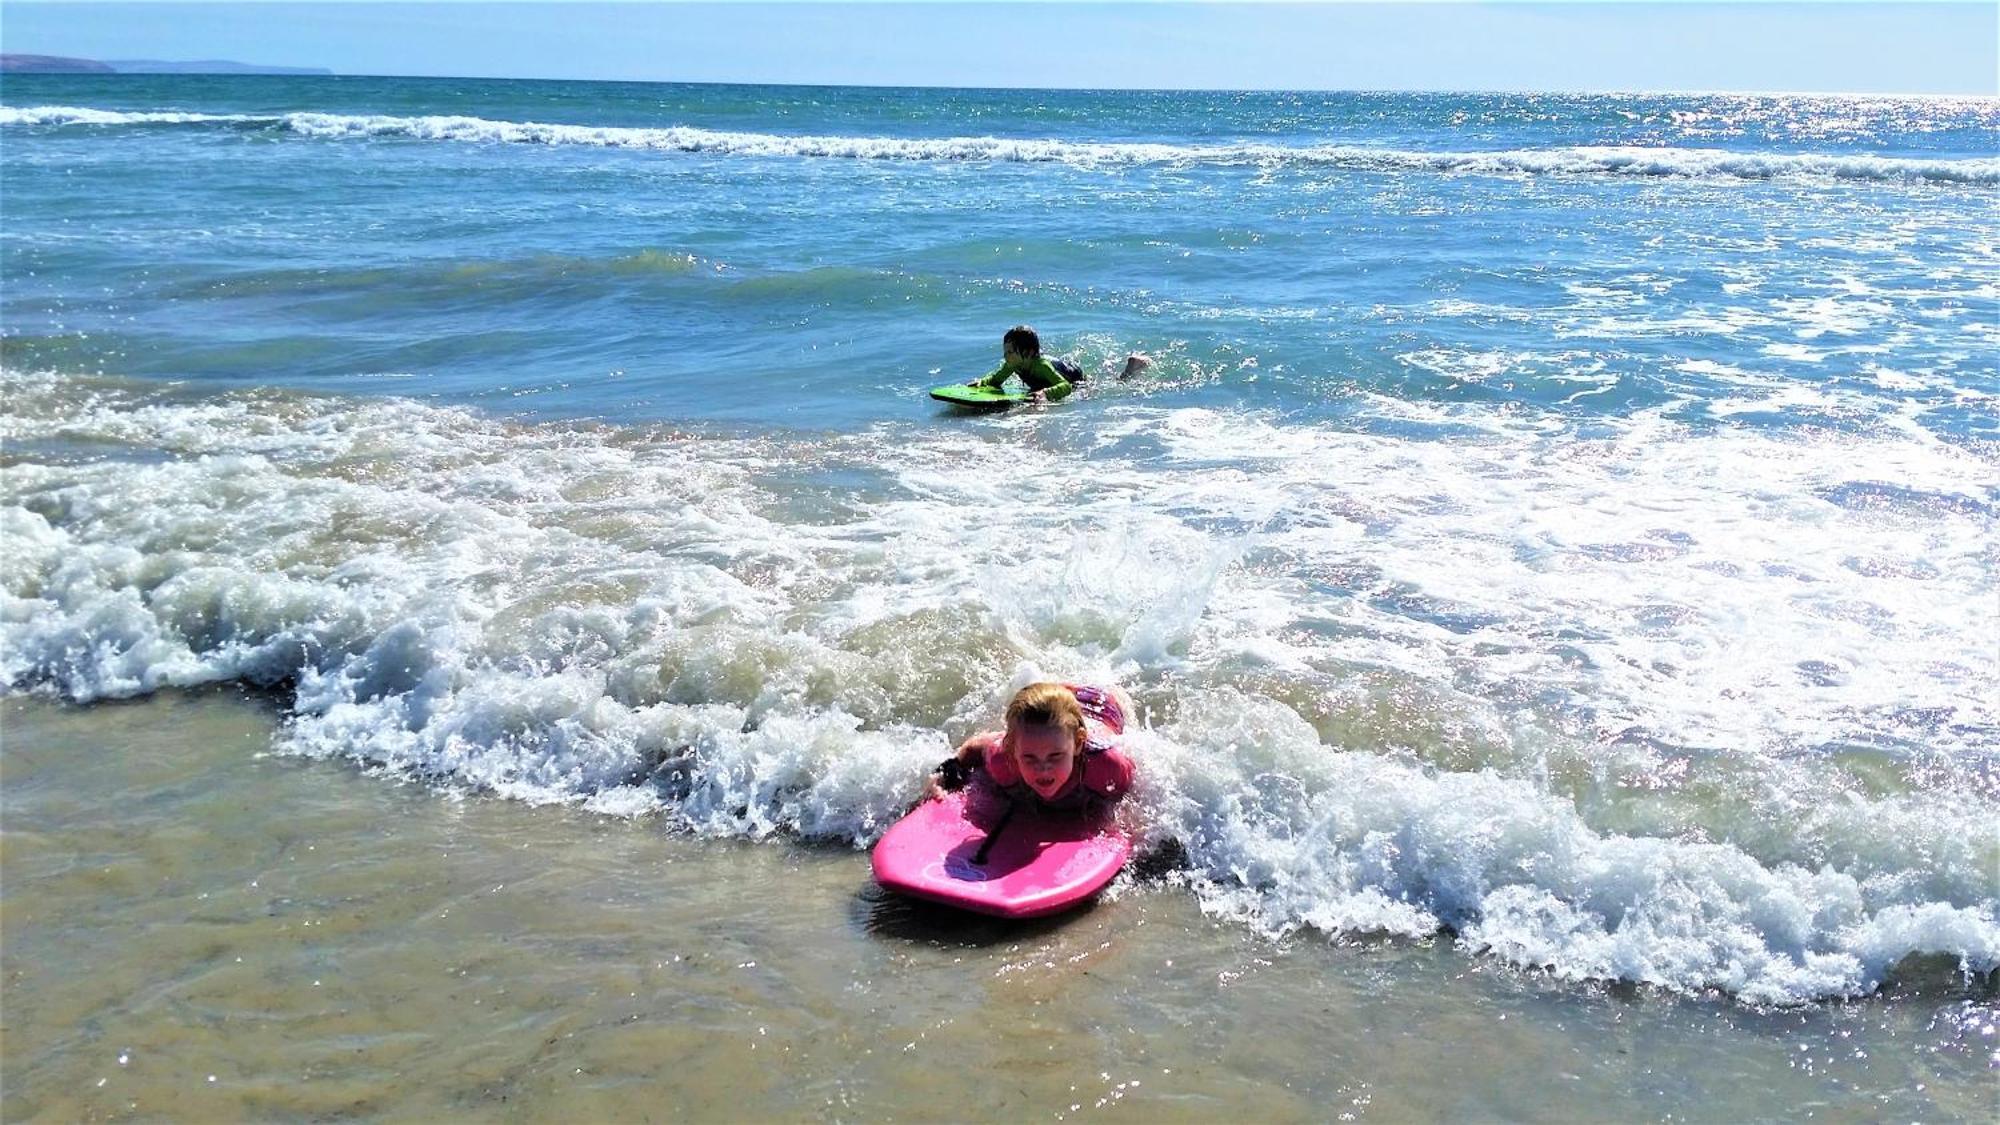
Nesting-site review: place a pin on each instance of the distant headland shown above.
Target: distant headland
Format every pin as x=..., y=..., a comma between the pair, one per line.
x=59, y=64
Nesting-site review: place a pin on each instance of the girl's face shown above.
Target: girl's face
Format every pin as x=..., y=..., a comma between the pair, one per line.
x=1046, y=756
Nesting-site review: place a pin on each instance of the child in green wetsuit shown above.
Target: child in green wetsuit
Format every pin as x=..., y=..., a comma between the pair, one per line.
x=1021, y=354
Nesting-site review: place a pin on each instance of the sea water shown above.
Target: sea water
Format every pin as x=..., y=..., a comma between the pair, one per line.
x=1560, y=527
x=198, y=930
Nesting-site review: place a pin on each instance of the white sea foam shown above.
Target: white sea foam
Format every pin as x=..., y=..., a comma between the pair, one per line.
x=1585, y=703
x=80, y=115
x=1575, y=160
x=1289, y=836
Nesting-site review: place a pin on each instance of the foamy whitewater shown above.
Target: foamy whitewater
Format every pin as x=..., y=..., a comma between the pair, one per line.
x=1578, y=160
x=1566, y=524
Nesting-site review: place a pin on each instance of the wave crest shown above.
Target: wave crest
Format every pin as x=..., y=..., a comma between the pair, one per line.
x=1574, y=160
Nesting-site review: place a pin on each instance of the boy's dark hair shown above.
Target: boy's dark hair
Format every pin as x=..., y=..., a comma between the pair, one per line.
x=1023, y=340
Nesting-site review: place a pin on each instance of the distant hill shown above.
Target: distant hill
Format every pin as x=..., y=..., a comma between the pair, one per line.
x=207, y=66
x=51, y=64
x=58, y=64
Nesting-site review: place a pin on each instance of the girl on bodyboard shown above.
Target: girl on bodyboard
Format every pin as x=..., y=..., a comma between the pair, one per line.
x=1018, y=822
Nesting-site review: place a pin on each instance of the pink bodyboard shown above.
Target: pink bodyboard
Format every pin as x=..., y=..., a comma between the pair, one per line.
x=1040, y=863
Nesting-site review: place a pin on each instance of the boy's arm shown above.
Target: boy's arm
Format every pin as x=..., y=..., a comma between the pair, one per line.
x=1042, y=376
x=994, y=380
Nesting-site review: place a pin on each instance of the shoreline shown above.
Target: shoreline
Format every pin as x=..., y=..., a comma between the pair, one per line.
x=261, y=935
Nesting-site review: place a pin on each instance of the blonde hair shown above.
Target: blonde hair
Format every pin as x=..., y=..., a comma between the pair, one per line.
x=1045, y=705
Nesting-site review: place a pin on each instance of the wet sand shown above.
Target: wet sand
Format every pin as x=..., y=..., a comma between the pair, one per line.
x=195, y=929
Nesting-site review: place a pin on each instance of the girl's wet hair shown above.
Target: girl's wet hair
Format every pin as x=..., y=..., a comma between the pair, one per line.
x=1045, y=705
x=1023, y=340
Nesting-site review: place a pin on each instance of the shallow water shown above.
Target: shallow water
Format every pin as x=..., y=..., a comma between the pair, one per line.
x=198, y=929
x=1559, y=527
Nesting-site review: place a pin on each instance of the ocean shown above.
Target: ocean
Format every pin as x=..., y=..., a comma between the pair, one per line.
x=1553, y=547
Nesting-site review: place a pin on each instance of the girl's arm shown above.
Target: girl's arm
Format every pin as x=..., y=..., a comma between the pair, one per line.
x=1108, y=774
x=973, y=750
x=954, y=771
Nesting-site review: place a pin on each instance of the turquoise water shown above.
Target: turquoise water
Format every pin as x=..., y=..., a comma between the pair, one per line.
x=1562, y=522
x=1677, y=250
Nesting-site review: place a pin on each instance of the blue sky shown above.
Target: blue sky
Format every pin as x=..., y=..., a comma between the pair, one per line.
x=1857, y=47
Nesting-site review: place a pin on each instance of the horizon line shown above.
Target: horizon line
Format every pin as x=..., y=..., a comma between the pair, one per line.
x=1660, y=92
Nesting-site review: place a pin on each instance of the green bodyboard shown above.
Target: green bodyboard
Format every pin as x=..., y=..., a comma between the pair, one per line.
x=977, y=398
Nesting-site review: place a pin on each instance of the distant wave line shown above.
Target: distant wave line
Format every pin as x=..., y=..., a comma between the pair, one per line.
x=1626, y=160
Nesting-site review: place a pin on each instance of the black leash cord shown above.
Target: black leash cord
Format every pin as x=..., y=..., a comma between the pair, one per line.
x=979, y=857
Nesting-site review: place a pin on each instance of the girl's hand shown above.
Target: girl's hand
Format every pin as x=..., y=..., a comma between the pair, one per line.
x=955, y=771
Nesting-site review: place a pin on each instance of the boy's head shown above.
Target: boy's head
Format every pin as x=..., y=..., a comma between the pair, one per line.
x=1021, y=340
x=1045, y=734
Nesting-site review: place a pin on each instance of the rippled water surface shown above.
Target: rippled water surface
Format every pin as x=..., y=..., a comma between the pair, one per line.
x=1558, y=528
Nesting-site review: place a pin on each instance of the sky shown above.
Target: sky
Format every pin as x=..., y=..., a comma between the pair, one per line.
x=1946, y=47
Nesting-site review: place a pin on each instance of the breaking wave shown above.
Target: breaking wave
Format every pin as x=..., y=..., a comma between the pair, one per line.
x=777, y=634
x=1579, y=160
